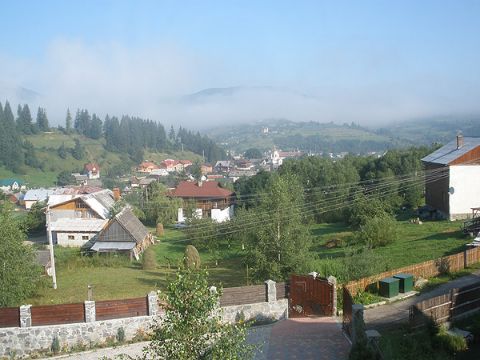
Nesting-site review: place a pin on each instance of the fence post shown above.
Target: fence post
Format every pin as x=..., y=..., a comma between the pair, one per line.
x=358, y=324
x=465, y=258
x=271, y=290
x=152, y=303
x=90, y=311
x=25, y=316
x=332, y=280
x=313, y=274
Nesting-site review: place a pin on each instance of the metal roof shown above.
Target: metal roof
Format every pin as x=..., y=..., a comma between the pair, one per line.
x=78, y=225
x=449, y=152
x=112, y=245
x=37, y=194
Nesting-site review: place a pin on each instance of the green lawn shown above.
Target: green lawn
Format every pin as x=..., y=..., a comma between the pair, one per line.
x=123, y=279
x=415, y=244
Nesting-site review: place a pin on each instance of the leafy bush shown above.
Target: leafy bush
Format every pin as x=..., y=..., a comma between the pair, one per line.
x=378, y=231
x=443, y=266
x=120, y=335
x=55, y=347
x=149, y=260
x=191, y=258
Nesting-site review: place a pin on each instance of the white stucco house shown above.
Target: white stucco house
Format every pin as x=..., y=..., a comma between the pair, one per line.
x=453, y=174
x=209, y=199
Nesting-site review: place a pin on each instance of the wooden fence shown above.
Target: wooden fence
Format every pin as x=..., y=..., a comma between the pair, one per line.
x=243, y=295
x=447, y=306
x=57, y=314
x=427, y=269
x=9, y=317
x=114, y=309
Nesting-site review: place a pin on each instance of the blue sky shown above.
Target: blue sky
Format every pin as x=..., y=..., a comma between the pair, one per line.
x=425, y=53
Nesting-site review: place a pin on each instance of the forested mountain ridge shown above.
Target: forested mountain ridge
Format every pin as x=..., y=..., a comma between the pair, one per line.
x=32, y=150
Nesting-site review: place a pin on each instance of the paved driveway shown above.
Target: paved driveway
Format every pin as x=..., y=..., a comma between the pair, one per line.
x=305, y=338
x=302, y=338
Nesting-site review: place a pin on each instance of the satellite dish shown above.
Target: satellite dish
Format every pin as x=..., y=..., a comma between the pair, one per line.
x=451, y=190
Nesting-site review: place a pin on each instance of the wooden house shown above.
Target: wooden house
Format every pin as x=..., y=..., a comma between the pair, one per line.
x=452, y=178
x=77, y=219
x=124, y=233
x=209, y=199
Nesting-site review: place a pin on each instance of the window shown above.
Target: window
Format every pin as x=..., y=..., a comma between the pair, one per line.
x=71, y=237
x=84, y=237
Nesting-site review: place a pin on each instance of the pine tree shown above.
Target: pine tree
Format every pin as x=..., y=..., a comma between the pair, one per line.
x=94, y=131
x=68, y=122
x=42, y=120
x=171, y=134
x=24, y=120
x=78, y=152
x=11, y=145
x=62, y=151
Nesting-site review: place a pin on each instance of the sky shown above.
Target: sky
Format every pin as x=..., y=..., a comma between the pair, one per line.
x=370, y=62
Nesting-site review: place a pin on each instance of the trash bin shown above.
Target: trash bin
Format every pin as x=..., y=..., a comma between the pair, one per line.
x=389, y=287
x=406, y=282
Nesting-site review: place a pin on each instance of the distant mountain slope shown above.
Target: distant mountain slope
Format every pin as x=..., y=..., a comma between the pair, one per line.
x=18, y=94
x=307, y=136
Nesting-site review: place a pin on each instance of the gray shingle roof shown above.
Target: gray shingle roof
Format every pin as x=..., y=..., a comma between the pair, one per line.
x=449, y=152
x=131, y=224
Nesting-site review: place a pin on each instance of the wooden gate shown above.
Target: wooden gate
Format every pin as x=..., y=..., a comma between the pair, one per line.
x=310, y=296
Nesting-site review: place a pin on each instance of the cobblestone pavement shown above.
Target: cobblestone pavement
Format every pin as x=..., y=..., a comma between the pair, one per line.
x=393, y=314
x=305, y=338
x=308, y=338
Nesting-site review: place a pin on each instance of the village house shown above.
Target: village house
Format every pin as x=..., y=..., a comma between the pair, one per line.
x=452, y=178
x=92, y=170
x=147, y=167
x=206, y=169
x=124, y=233
x=76, y=220
x=209, y=200
x=8, y=185
x=33, y=196
x=223, y=166
x=171, y=165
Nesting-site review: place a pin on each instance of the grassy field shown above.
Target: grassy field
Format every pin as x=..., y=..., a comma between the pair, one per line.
x=46, y=145
x=122, y=279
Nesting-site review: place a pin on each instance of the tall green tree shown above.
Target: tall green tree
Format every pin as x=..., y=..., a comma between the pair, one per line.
x=42, y=120
x=158, y=207
x=62, y=151
x=24, y=120
x=191, y=327
x=78, y=152
x=11, y=152
x=94, y=130
x=281, y=245
x=68, y=122
x=19, y=275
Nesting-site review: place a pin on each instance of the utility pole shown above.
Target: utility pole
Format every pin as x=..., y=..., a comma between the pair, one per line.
x=50, y=242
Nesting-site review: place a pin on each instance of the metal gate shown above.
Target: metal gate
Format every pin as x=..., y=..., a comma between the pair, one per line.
x=310, y=296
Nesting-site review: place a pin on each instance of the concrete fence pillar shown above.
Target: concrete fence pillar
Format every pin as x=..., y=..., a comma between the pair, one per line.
x=90, y=311
x=271, y=290
x=25, y=316
x=332, y=280
x=152, y=303
x=358, y=323
x=213, y=290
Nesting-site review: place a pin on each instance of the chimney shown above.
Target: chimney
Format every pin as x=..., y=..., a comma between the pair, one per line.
x=459, y=141
x=116, y=193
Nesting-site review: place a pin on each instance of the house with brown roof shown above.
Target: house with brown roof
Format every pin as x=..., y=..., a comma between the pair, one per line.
x=451, y=185
x=209, y=199
x=92, y=170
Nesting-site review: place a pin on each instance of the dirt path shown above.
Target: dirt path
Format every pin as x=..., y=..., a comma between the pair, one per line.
x=391, y=315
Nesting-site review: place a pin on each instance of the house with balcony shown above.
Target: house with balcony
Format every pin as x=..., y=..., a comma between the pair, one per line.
x=208, y=200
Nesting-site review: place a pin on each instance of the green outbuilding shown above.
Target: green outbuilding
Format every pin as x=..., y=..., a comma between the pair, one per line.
x=406, y=282
x=389, y=287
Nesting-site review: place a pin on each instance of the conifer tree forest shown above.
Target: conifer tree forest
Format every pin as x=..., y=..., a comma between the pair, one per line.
x=128, y=135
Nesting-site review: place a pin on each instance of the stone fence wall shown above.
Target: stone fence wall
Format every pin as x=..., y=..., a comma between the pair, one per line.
x=28, y=339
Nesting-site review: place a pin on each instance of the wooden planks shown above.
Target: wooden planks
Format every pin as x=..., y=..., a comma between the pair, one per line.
x=243, y=295
x=281, y=290
x=115, y=309
x=425, y=269
x=57, y=314
x=10, y=317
